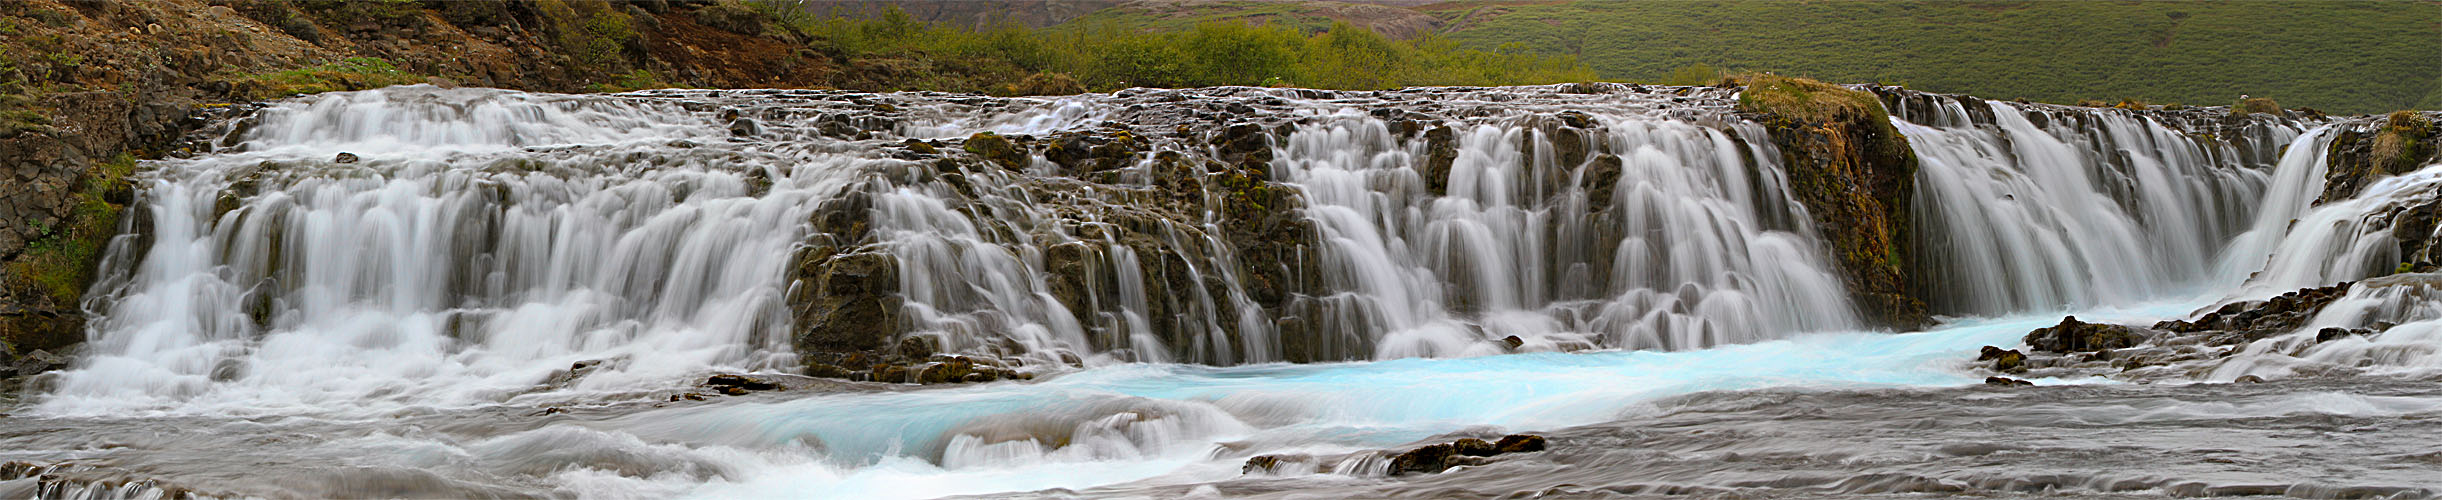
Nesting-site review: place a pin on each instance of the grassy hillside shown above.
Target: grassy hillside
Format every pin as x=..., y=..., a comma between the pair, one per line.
x=2341, y=57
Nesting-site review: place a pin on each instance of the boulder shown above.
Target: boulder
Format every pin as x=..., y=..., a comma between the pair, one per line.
x=1520, y=443
x=2072, y=335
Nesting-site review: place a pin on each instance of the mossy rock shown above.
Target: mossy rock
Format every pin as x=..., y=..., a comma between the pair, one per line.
x=1000, y=150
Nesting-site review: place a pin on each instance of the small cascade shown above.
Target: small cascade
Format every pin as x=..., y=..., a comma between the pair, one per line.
x=2043, y=208
x=1612, y=229
x=2386, y=325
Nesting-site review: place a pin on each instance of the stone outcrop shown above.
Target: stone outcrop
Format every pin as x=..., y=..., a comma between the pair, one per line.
x=2072, y=335
x=1856, y=175
x=1103, y=202
x=2369, y=151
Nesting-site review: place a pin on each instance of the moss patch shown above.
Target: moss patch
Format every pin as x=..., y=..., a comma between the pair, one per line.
x=2254, y=105
x=354, y=73
x=1806, y=101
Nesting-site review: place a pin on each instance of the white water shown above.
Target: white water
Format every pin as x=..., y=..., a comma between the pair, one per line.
x=488, y=240
x=2111, y=208
x=1696, y=247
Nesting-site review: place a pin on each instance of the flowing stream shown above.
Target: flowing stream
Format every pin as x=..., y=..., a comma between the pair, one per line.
x=496, y=293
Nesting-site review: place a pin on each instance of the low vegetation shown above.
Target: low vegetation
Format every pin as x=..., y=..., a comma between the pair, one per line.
x=355, y=73
x=1806, y=101
x=2340, y=57
x=2406, y=139
x=901, y=53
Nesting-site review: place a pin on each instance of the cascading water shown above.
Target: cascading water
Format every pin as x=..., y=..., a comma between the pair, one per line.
x=511, y=294
x=1631, y=231
x=483, y=241
x=2043, y=209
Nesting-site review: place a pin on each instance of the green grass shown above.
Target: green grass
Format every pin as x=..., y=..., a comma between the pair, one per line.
x=902, y=53
x=2341, y=57
x=1807, y=101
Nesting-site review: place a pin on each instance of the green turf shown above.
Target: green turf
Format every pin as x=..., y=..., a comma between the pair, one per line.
x=2341, y=57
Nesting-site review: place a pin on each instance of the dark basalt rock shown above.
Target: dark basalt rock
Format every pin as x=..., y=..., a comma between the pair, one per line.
x=1264, y=463
x=2072, y=335
x=1519, y=443
x=1475, y=447
x=1428, y=460
x=2006, y=382
x=345, y=158
x=2287, y=312
x=2004, y=360
x=725, y=382
x=1434, y=458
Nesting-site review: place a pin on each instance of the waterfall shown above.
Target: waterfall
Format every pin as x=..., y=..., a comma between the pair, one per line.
x=484, y=241
x=483, y=246
x=1634, y=231
x=2048, y=208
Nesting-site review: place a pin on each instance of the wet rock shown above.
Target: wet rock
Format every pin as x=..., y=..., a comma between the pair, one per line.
x=39, y=361
x=1441, y=153
x=917, y=347
x=2006, y=382
x=1244, y=142
x=999, y=150
x=2004, y=360
x=1856, y=176
x=2248, y=379
x=2072, y=335
x=1427, y=460
x=1520, y=443
x=1475, y=447
x=1262, y=463
x=345, y=157
x=725, y=382
x=1513, y=342
x=2329, y=334
x=2256, y=319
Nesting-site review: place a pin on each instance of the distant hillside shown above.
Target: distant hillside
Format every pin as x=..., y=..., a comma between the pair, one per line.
x=2340, y=57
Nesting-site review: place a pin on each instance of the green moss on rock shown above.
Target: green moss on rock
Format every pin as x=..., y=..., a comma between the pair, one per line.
x=1855, y=174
